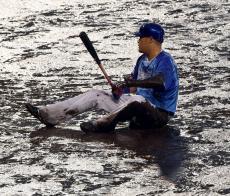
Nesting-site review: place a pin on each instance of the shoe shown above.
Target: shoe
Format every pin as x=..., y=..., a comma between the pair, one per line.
x=34, y=111
x=93, y=126
x=89, y=126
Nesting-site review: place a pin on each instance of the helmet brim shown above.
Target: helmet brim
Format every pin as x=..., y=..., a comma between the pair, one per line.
x=137, y=34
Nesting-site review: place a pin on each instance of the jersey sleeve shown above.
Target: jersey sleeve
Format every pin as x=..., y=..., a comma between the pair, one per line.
x=134, y=73
x=166, y=68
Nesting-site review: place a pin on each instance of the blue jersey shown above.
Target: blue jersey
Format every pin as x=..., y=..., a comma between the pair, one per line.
x=162, y=64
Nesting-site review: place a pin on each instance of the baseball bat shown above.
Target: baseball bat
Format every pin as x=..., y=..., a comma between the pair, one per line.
x=89, y=46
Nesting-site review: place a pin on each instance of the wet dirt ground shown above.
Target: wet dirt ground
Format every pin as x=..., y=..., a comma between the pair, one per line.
x=42, y=60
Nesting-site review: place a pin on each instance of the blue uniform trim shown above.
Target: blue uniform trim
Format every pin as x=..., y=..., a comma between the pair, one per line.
x=135, y=71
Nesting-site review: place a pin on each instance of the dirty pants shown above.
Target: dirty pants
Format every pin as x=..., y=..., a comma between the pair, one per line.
x=93, y=99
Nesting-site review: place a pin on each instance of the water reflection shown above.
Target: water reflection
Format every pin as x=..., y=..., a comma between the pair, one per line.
x=164, y=147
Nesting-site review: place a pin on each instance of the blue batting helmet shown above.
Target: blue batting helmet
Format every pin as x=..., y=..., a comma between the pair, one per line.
x=151, y=29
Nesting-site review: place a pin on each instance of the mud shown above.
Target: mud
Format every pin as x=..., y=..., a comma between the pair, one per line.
x=42, y=60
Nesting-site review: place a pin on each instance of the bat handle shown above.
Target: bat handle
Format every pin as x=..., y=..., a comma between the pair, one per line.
x=106, y=75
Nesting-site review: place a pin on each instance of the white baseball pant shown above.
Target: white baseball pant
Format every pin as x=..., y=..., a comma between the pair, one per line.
x=93, y=99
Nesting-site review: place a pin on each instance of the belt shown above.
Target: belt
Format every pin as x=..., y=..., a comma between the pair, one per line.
x=165, y=111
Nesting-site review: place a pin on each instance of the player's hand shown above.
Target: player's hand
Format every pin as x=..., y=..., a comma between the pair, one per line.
x=117, y=90
x=127, y=77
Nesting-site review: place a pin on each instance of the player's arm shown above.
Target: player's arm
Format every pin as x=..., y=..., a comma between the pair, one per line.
x=156, y=81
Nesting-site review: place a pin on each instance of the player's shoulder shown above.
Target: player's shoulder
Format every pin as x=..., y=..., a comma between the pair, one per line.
x=166, y=58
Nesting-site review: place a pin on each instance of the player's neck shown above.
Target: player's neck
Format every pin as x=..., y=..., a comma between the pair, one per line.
x=153, y=53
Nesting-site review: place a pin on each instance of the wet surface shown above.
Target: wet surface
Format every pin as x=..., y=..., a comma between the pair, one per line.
x=42, y=60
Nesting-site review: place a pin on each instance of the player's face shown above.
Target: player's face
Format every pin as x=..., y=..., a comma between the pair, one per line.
x=144, y=44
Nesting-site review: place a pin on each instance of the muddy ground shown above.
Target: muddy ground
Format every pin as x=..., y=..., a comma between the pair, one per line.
x=42, y=60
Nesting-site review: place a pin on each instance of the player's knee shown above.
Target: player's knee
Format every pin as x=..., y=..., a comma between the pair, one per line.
x=137, y=98
x=134, y=105
x=95, y=92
